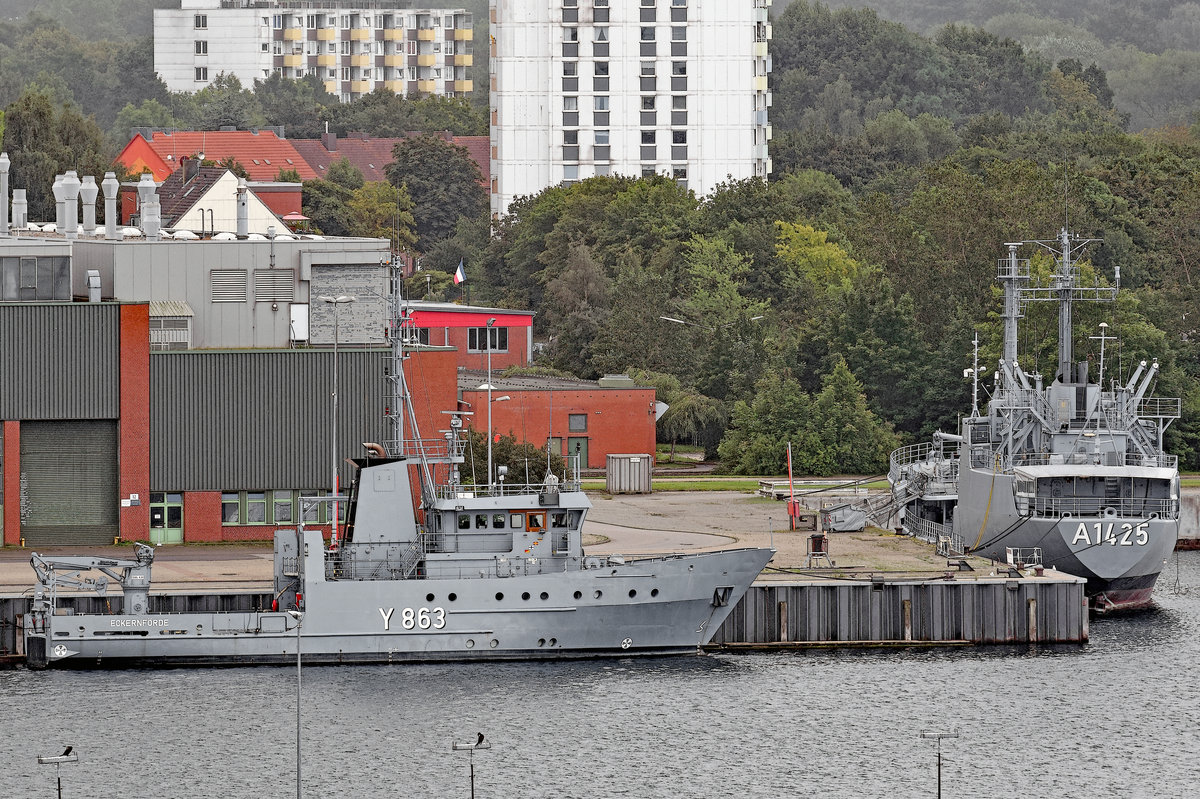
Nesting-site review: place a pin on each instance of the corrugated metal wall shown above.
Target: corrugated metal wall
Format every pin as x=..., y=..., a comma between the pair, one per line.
x=69, y=482
x=259, y=420
x=59, y=361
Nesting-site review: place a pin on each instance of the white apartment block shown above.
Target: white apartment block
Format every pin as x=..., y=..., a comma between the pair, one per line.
x=354, y=46
x=581, y=88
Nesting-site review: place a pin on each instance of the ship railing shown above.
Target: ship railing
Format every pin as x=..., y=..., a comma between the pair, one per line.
x=434, y=449
x=925, y=529
x=1099, y=507
x=471, y=491
x=941, y=460
x=344, y=566
x=1160, y=408
x=1109, y=458
x=1023, y=556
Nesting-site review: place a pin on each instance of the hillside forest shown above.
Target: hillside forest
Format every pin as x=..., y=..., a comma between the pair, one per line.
x=833, y=306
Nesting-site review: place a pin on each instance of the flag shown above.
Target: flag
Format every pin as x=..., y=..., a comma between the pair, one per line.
x=460, y=274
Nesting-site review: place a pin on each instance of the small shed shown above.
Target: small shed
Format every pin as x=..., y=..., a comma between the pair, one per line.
x=628, y=474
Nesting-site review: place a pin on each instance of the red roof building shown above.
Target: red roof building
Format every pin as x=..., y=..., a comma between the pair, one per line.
x=262, y=153
x=371, y=154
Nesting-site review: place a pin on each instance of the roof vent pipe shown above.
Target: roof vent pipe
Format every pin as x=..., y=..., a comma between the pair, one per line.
x=60, y=202
x=20, y=210
x=243, y=209
x=147, y=202
x=93, y=284
x=70, y=223
x=4, y=164
x=110, y=186
x=87, y=192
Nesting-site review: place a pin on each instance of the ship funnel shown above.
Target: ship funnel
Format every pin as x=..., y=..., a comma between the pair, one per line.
x=4, y=165
x=110, y=185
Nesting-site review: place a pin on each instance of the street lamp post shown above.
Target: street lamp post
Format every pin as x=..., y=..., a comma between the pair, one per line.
x=470, y=747
x=490, y=322
x=938, y=736
x=336, y=302
x=299, y=619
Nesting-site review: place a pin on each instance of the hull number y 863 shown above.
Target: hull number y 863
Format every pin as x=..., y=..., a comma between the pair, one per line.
x=1126, y=534
x=415, y=618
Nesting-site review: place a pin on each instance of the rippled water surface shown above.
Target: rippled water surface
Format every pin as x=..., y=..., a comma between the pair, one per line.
x=1119, y=717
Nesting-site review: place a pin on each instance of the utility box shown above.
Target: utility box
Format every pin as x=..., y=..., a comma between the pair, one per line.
x=628, y=474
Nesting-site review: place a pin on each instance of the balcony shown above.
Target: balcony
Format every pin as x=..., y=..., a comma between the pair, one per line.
x=463, y=34
x=360, y=34
x=427, y=60
x=331, y=86
x=393, y=34
x=760, y=83
x=427, y=85
x=326, y=34
x=396, y=86
x=760, y=49
x=293, y=34
x=427, y=35
x=361, y=60
x=464, y=60
x=360, y=86
x=395, y=60
x=327, y=60
x=462, y=85
x=293, y=60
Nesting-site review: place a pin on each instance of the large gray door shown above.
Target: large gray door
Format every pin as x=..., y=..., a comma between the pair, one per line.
x=69, y=482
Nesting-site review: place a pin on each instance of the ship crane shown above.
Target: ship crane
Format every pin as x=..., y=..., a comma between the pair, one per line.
x=66, y=572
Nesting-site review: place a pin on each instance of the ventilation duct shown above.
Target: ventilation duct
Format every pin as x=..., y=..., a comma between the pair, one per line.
x=70, y=186
x=4, y=164
x=148, y=206
x=110, y=185
x=243, y=209
x=60, y=202
x=93, y=284
x=87, y=192
x=20, y=210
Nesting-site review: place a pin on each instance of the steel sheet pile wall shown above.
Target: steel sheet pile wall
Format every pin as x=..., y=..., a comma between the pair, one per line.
x=981, y=612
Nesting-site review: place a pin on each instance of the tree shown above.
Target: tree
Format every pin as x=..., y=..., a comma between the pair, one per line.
x=288, y=176
x=296, y=104
x=326, y=204
x=444, y=183
x=235, y=166
x=381, y=210
x=224, y=103
x=345, y=174
x=526, y=462
x=146, y=114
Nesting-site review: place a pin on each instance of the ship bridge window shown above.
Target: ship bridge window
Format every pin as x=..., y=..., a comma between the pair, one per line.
x=481, y=521
x=559, y=520
x=498, y=521
x=536, y=521
x=464, y=521
x=516, y=521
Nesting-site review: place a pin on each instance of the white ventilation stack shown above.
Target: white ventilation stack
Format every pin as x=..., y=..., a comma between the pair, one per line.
x=70, y=223
x=20, y=209
x=148, y=206
x=93, y=284
x=110, y=185
x=60, y=202
x=243, y=209
x=4, y=164
x=87, y=192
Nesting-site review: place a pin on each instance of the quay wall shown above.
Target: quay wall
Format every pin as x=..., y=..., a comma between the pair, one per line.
x=863, y=613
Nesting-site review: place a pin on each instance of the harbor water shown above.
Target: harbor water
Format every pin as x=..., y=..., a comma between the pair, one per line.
x=1119, y=716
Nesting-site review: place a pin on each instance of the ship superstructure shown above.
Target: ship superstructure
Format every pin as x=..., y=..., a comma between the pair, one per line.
x=430, y=568
x=1070, y=475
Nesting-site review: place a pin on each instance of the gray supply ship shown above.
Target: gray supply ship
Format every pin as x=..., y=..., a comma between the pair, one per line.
x=430, y=569
x=1071, y=475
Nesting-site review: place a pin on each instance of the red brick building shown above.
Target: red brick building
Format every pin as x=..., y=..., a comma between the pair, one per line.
x=592, y=419
x=465, y=327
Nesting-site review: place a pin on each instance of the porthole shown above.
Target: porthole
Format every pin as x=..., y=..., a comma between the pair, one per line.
x=493, y=643
x=578, y=595
x=545, y=596
x=499, y=595
x=452, y=596
x=632, y=593
x=541, y=642
x=470, y=643
x=597, y=594
x=525, y=595
x=653, y=592
x=553, y=642
x=429, y=597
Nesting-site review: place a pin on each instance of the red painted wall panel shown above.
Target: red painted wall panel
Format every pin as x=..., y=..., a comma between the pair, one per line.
x=12, y=483
x=133, y=429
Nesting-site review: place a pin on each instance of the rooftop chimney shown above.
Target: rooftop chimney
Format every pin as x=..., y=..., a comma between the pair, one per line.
x=4, y=164
x=243, y=209
x=87, y=192
x=60, y=202
x=329, y=140
x=111, y=186
x=20, y=210
x=70, y=223
x=148, y=206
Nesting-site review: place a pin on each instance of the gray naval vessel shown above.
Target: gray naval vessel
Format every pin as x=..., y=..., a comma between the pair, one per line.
x=1070, y=476
x=430, y=568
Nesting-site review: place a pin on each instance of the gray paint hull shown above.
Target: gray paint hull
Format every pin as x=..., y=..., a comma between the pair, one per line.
x=644, y=607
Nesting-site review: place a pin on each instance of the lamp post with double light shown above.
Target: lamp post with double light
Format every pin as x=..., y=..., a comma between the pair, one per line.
x=488, y=333
x=298, y=617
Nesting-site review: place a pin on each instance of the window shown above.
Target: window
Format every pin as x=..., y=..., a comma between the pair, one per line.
x=497, y=521
x=600, y=3
x=282, y=507
x=648, y=137
x=678, y=67
x=277, y=21
x=679, y=102
x=600, y=102
x=570, y=34
x=200, y=22
x=602, y=137
x=679, y=33
x=477, y=339
x=256, y=507
x=166, y=511
x=577, y=422
x=647, y=68
x=600, y=68
x=201, y=47
x=570, y=68
x=600, y=34
x=679, y=137
x=570, y=173
x=647, y=34
x=648, y=103
x=570, y=137
x=231, y=508
x=570, y=103
x=202, y=73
